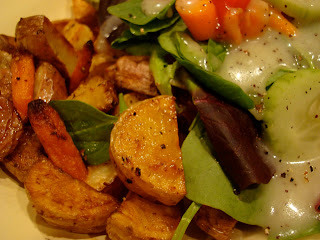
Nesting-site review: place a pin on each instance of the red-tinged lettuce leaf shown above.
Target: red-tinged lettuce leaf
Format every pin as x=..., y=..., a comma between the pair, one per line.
x=207, y=184
x=234, y=136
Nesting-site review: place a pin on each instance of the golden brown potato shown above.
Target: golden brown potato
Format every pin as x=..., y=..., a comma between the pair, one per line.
x=7, y=44
x=38, y=35
x=77, y=34
x=133, y=73
x=99, y=176
x=11, y=127
x=103, y=178
x=140, y=219
x=144, y=146
x=215, y=222
x=25, y=155
x=97, y=92
x=5, y=75
x=66, y=202
x=85, y=13
x=49, y=84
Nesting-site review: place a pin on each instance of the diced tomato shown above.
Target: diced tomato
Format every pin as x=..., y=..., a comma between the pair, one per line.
x=237, y=3
x=200, y=17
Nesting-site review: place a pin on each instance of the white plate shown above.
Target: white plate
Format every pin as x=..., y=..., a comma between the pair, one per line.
x=18, y=219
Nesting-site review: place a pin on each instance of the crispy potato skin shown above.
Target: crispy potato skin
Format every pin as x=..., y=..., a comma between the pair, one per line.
x=98, y=92
x=38, y=35
x=214, y=222
x=11, y=127
x=25, y=155
x=144, y=146
x=140, y=219
x=5, y=74
x=133, y=73
x=66, y=202
x=49, y=84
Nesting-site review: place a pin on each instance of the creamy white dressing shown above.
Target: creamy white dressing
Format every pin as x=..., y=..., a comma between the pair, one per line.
x=307, y=42
x=153, y=7
x=293, y=195
x=294, y=190
x=250, y=64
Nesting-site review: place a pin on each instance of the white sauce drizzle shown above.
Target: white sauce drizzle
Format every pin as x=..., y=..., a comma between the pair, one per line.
x=294, y=190
x=153, y=7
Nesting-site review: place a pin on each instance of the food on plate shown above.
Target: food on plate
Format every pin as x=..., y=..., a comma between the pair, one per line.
x=66, y=202
x=25, y=155
x=138, y=118
x=144, y=147
x=215, y=222
x=49, y=84
x=138, y=218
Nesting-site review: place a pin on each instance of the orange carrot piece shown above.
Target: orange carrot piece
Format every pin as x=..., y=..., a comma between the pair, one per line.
x=23, y=77
x=82, y=68
x=278, y=22
x=55, y=139
x=200, y=17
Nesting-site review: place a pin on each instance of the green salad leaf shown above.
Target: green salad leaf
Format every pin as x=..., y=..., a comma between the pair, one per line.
x=153, y=26
x=131, y=12
x=207, y=184
x=162, y=72
x=185, y=220
x=201, y=64
x=89, y=128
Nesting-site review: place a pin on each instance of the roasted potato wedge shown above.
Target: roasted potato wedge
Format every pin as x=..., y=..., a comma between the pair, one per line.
x=140, y=219
x=66, y=202
x=133, y=73
x=144, y=146
x=11, y=127
x=103, y=178
x=214, y=222
x=97, y=92
x=49, y=84
x=7, y=44
x=25, y=155
x=77, y=34
x=38, y=35
x=5, y=75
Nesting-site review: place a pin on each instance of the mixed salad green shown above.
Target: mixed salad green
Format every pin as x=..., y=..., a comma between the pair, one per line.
x=274, y=77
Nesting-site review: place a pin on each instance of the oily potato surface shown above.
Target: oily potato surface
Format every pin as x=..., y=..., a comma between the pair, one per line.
x=66, y=202
x=25, y=155
x=144, y=146
x=140, y=219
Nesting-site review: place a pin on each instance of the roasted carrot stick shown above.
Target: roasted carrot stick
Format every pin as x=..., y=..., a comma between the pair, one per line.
x=55, y=139
x=23, y=70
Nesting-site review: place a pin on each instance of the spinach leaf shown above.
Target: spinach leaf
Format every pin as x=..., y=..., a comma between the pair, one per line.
x=153, y=26
x=215, y=83
x=89, y=128
x=122, y=104
x=162, y=72
x=165, y=38
x=207, y=184
x=216, y=54
x=185, y=221
x=195, y=60
x=131, y=12
x=129, y=40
